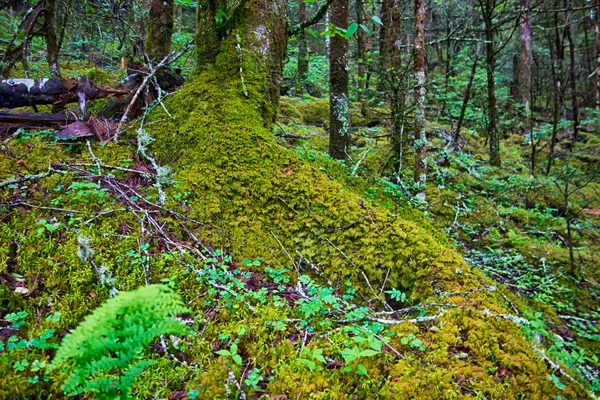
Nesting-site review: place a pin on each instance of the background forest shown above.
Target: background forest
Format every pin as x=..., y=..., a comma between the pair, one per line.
x=300, y=199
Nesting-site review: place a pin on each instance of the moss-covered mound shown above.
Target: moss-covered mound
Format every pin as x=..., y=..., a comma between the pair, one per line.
x=455, y=336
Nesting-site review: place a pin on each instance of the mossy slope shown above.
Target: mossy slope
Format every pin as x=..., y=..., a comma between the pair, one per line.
x=255, y=194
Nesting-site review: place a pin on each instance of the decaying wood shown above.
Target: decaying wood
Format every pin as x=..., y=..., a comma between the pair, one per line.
x=29, y=92
x=37, y=119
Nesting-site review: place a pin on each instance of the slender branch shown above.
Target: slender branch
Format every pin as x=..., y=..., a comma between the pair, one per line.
x=311, y=21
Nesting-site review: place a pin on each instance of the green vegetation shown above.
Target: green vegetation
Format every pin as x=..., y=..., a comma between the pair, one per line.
x=217, y=251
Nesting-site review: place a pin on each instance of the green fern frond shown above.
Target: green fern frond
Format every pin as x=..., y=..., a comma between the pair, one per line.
x=106, y=351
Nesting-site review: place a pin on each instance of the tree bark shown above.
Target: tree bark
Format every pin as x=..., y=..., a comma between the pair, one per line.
x=525, y=60
x=389, y=41
x=339, y=129
x=467, y=96
x=490, y=60
x=572, y=75
x=420, y=134
x=302, y=48
x=160, y=30
x=361, y=44
x=253, y=28
x=597, y=29
x=51, y=39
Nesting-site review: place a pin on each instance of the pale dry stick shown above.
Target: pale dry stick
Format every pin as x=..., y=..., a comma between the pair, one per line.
x=103, y=213
x=286, y=252
x=96, y=159
x=153, y=71
x=41, y=207
x=357, y=166
x=135, y=171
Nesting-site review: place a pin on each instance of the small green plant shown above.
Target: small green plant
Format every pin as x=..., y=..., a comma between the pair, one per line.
x=232, y=352
x=105, y=353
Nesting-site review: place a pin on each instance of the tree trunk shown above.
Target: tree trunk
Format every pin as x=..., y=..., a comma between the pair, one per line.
x=420, y=134
x=208, y=38
x=302, y=48
x=597, y=29
x=254, y=30
x=525, y=60
x=361, y=43
x=160, y=30
x=490, y=60
x=557, y=56
x=572, y=76
x=339, y=129
x=467, y=96
x=389, y=39
x=51, y=39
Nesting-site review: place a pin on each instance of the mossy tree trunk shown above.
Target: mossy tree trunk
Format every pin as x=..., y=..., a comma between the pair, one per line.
x=160, y=29
x=420, y=135
x=339, y=129
x=228, y=36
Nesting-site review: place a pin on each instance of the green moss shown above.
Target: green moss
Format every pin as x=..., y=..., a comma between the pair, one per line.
x=259, y=197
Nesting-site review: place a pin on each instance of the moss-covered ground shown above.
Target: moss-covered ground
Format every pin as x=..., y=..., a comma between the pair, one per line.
x=331, y=284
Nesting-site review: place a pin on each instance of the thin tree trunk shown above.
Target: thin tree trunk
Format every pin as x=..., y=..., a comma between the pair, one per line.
x=490, y=59
x=467, y=96
x=361, y=41
x=420, y=134
x=303, y=48
x=525, y=60
x=339, y=130
x=557, y=59
x=597, y=29
x=51, y=39
x=572, y=76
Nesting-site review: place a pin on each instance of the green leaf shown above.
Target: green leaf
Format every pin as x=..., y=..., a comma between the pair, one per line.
x=237, y=359
x=225, y=353
x=377, y=20
x=361, y=370
x=368, y=353
x=351, y=30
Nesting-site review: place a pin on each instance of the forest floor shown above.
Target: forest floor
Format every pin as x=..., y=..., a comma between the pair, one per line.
x=84, y=221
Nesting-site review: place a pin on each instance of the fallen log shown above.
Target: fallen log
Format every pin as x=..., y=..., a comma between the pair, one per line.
x=57, y=91
x=37, y=119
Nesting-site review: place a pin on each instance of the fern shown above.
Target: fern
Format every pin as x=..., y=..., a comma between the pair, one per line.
x=105, y=353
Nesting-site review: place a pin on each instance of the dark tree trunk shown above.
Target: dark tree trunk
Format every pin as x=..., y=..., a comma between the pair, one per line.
x=557, y=56
x=160, y=30
x=572, y=75
x=208, y=38
x=51, y=39
x=597, y=29
x=339, y=130
x=361, y=44
x=467, y=96
x=302, y=48
x=490, y=60
x=389, y=39
x=420, y=134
